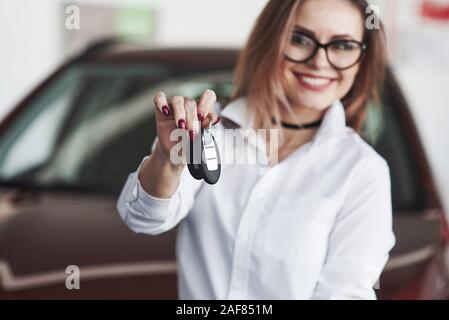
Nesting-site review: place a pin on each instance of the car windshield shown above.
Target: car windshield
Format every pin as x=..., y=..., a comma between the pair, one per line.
x=91, y=126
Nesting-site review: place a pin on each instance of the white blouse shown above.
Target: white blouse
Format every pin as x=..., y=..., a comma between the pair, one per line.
x=318, y=225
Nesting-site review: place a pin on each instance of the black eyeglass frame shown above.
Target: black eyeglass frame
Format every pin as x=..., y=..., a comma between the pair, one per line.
x=319, y=45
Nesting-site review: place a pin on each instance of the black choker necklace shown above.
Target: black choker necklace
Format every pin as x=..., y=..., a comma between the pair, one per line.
x=298, y=127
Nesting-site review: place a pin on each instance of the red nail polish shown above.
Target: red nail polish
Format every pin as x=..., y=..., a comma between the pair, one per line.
x=200, y=117
x=165, y=110
x=182, y=124
x=191, y=134
x=217, y=121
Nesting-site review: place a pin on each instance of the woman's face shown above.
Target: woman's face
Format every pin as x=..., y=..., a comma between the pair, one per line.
x=316, y=84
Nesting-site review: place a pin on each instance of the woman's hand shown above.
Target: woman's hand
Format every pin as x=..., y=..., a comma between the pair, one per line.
x=159, y=176
x=183, y=113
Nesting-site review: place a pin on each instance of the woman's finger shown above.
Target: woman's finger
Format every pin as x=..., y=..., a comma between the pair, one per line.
x=211, y=119
x=179, y=112
x=191, y=116
x=206, y=104
x=161, y=106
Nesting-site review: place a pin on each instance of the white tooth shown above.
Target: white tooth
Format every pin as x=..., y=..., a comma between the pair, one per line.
x=315, y=81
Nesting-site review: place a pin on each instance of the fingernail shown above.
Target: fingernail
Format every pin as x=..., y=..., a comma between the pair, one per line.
x=191, y=134
x=182, y=124
x=217, y=121
x=165, y=110
x=200, y=117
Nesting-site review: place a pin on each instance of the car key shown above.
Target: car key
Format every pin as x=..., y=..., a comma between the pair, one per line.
x=210, y=166
x=194, y=158
x=204, y=157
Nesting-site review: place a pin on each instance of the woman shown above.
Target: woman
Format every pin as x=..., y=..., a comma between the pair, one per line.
x=317, y=224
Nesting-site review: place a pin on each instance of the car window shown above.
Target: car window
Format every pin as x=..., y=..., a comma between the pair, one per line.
x=31, y=141
x=92, y=126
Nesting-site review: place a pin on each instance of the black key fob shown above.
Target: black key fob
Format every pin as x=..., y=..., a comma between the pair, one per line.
x=194, y=155
x=204, y=158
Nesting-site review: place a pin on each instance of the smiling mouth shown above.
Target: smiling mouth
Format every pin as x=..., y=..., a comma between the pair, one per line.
x=314, y=83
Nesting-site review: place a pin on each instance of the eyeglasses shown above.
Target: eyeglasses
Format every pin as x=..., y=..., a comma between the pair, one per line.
x=341, y=54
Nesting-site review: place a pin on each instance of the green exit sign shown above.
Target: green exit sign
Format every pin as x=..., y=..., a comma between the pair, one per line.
x=136, y=23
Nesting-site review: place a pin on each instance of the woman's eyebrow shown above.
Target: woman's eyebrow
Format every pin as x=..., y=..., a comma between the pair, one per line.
x=311, y=33
x=342, y=36
x=304, y=30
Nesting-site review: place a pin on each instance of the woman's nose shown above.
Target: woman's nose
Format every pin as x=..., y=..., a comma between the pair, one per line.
x=319, y=60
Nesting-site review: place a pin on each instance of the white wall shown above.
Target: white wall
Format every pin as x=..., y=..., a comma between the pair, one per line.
x=30, y=47
x=31, y=33
x=422, y=64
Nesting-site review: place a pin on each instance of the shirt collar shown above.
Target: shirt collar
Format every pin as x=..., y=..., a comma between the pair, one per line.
x=334, y=120
x=236, y=112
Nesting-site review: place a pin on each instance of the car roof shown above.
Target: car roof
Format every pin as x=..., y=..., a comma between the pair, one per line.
x=215, y=58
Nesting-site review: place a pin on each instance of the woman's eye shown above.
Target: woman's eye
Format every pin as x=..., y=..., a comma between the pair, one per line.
x=344, y=46
x=301, y=40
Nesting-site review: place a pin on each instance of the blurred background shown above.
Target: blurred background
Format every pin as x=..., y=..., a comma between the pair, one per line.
x=198, y=41
x=35, y=41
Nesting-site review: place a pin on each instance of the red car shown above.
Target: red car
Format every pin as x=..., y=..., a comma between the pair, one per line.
x=68, y=147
